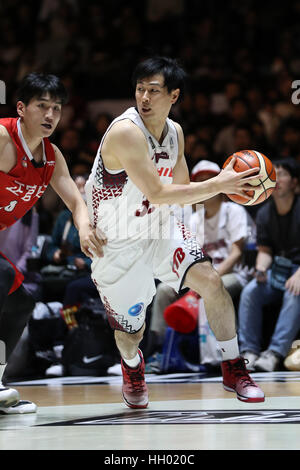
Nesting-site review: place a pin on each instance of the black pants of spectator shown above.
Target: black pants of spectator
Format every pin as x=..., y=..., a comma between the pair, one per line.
x=79, y=291
x=15, y=309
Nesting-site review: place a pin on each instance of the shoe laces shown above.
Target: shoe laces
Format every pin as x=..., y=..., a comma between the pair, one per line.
x=136, y=379
x=240, y=371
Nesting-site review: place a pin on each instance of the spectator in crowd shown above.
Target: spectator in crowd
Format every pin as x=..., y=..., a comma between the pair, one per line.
x=48, y=207
x=64, y=250
x=225, y=139
x=64, y=247
x=243, y=137
x=70, y=145
x=289, y=139
x=226, y=229
x=277, y=275
x=200, y=150
x=93, y=132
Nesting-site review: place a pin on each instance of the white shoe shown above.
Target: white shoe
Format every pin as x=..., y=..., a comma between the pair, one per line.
x=56, y=370
x=250, y=359
x=8, y=396
x=268, y=361
x=21, y=407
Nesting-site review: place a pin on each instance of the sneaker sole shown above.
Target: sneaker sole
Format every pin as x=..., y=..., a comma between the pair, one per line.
x=9, y=397
x=244, y=399
x=131, y=405
x=21, y=407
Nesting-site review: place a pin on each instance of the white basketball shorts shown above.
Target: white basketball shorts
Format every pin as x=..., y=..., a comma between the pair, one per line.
x=125, y=277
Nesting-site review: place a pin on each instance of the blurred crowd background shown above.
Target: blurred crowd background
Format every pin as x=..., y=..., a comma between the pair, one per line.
x=241, y=57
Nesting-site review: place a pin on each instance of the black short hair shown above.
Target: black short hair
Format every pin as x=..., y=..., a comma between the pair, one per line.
x=290, y=165
x=173, y=73
x=35, y=85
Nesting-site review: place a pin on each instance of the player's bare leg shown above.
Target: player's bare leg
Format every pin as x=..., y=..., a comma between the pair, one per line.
x=128, y=343
x=204, y=279
x=135, y=393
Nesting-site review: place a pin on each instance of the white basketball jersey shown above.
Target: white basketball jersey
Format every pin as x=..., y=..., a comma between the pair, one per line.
x=115, y=203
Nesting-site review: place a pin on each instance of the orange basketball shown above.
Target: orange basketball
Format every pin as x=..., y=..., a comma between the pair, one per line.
x=262, y=187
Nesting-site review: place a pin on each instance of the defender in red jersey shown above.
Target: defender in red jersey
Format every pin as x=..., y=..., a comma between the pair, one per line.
x=28, y=163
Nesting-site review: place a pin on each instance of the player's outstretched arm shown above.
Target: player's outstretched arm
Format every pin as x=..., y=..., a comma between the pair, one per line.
x=126, y=144
x=62, y=183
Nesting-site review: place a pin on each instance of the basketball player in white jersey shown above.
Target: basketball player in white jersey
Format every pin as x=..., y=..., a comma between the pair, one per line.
x=139, y=171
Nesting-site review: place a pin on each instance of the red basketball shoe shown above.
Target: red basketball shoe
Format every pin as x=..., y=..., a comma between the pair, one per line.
x=237, y=379
x=135, y=392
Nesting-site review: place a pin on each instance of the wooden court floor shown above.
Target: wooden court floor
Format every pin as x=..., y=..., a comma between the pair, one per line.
x=181, y=416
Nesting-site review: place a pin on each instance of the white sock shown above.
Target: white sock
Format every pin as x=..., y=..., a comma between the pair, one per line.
x=229, y=349
x=133, y=362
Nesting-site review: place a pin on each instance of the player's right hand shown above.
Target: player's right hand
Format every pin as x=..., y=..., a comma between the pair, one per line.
x=233, y=182
x=92, y=241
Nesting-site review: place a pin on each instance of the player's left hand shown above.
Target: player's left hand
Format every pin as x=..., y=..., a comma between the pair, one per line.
x=91, y=242
x=293, y=283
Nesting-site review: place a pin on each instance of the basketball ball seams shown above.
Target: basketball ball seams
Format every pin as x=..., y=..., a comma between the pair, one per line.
x=245, y=161
x=239, y=155
x=262, y=187
x=262, y=164
x=262, y=158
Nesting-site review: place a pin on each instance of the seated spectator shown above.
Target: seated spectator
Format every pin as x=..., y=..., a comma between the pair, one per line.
x=277, y=275
x=226, y=227
x=243, y=137
x=225, y=140
x=64, y=250
x=70, y=145
x=92, y=135
x=64, y=247
x=200, y=151
x=80, y=168
x=289, y=139
x=48, y=207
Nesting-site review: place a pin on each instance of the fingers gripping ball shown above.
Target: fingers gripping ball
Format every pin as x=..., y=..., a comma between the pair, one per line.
x=262, y=187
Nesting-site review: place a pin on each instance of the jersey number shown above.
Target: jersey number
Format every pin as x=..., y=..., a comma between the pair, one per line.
x=146, y=208
x=10, y=207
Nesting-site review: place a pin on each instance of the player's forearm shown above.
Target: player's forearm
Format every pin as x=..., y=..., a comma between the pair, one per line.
x=69, y=193
x=185, y=194
x=80, y=215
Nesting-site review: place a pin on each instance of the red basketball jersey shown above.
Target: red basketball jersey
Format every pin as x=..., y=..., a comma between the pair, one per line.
x=22, y=187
